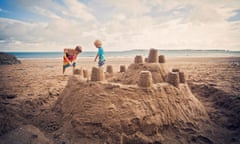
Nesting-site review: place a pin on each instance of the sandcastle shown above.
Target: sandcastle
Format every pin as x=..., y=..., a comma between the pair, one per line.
x=146, y=99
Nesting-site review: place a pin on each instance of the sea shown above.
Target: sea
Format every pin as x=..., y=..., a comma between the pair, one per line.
x=131, y=53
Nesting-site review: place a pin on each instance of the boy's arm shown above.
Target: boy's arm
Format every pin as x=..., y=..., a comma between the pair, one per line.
x=65, y=56
x=96, y=57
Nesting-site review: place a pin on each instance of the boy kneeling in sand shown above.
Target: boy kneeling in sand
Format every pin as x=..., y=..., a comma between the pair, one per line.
x=70, y=57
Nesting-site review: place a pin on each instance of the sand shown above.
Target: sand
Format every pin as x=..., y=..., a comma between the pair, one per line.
x=35, y=96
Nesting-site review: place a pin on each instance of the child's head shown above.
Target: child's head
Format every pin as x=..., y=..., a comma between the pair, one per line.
x=98, y=43
x=78, y=49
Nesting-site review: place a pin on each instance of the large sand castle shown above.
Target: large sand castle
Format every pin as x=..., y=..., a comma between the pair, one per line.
x=144, y=104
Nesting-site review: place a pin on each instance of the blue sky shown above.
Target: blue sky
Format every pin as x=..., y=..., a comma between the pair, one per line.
x=51, y=25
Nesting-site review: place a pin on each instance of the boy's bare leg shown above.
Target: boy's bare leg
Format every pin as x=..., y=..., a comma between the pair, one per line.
x=63, y=70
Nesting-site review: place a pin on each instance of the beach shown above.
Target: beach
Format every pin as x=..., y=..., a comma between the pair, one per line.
x=30, y=94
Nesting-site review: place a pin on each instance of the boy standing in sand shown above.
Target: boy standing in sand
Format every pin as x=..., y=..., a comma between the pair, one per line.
x=100, y=54
x=70, y=57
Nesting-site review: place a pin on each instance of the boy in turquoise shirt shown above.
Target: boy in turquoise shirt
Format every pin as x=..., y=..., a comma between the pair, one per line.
x=100, y=54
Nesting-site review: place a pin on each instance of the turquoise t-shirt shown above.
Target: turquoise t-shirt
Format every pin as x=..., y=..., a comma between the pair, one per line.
x=101, y=54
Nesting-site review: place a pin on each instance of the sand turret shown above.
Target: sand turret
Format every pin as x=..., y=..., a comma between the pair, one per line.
x=146, y=60
x=182, y=78
x=153, y=56
x=85, y=74
x=97, y=74
x=161, y=59
x=173, y=79
x=123, y=68
x=110, y=69
x=138, y=59
x=145, y=79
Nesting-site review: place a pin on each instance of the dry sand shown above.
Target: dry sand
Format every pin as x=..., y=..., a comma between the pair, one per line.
x=48, y=107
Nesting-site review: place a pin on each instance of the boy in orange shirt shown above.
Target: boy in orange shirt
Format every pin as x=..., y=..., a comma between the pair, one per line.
x=69, y=58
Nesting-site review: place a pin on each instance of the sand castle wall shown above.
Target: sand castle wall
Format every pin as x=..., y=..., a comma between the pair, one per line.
x=97, y=74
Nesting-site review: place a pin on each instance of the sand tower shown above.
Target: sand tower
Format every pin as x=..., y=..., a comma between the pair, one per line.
x=173, y=78
x=123, y=68
x=85, y=74
x=138, y=59
x=153, y=56
x=182, y=78
x=110, y=69
x=97, y=74
x=146, y=60
x=145, y=79
x=161, y=59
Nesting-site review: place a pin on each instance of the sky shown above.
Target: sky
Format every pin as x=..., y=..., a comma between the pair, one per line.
x=52, y=25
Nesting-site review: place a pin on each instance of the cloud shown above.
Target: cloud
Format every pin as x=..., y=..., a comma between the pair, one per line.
x=122, y=25
x=78, y=10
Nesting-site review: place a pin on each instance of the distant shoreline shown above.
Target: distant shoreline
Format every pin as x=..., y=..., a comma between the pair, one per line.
x=130, y=53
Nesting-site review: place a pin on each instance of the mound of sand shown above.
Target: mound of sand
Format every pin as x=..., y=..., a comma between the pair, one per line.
x=7, y=59
x=26, y=134
x=106, y=112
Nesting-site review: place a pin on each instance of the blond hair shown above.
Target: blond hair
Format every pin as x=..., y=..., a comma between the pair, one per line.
x=97, y=43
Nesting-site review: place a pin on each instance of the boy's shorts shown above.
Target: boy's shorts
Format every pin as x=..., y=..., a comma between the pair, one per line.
x=101, y=63
x=68, y=65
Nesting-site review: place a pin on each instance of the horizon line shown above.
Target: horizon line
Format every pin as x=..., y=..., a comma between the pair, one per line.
x=136, y=50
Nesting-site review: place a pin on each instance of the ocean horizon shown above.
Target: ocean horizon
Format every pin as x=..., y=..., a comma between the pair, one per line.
x=131, y=53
